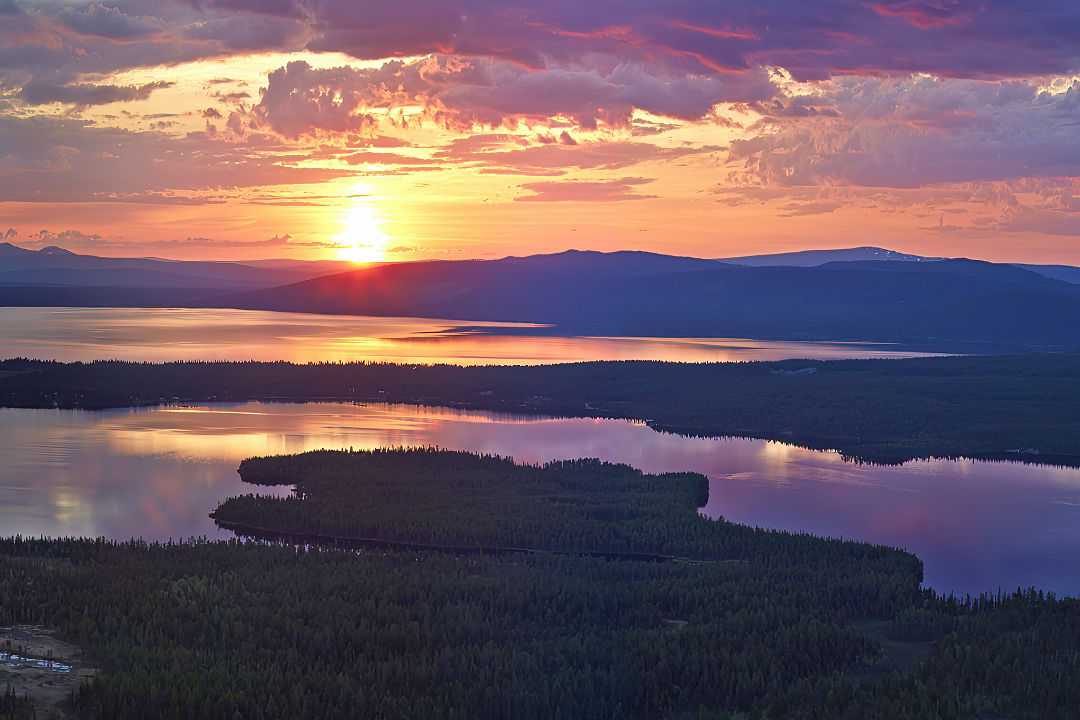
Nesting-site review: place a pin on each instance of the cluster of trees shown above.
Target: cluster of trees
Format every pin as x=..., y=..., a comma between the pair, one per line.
x=463, y=499
x=228, y=630
x=878, y=410
x=460, y=499
x=16, y=707
x=243, y=630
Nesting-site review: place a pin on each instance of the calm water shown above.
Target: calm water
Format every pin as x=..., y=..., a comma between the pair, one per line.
x=157, y=334
x=156, y=473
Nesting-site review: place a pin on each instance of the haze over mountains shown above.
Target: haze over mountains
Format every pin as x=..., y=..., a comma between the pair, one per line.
x=56, y=266
x=814, y=258
x=853, y=294
x=642, y=294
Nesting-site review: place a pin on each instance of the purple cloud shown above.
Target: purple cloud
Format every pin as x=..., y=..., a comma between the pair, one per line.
x=513, y=155
x=951, y=38
x=42, y=93
x=107, y=22
x=956, y=38
x=51, y=159
x=618, y=190
x=464, y=93
x=920, y=131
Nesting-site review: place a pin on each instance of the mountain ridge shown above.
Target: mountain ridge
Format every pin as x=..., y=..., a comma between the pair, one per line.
x=57, y=266
x=809, y=258
x=586, y=292
x=598, y=294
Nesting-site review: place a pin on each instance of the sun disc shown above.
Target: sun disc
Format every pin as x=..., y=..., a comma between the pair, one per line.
x=362, y=240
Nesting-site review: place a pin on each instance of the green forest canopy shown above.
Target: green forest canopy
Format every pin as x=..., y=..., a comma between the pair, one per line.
x=797, y=627
x=879, y=410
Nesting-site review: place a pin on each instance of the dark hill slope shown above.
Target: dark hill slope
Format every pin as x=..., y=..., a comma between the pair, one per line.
x=56, y=267
x=638, y=294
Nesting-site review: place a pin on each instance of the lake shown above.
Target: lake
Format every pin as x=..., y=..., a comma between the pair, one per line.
x=155, y=473
x=163, y=334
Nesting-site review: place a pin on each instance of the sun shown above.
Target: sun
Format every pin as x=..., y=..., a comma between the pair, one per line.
x=362, y=240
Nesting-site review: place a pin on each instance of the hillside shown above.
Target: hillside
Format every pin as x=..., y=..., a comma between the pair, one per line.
x=868, y=294
x=813, y=258
x=640, y=294
x=55, y=266
x=884, y=411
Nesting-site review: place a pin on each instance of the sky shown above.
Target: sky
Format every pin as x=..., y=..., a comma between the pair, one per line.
x=413, y=129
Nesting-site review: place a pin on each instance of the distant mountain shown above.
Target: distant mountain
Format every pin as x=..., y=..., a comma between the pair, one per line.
x=55, y=266
x=813, y=258
x=619, y=263
x=816, y=258
x=1065, y=273
x=847, y=296
x=645, y=294
x=534, y=288
x=312, y=268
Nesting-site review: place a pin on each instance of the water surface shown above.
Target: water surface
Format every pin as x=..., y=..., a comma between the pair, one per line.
x=163, y=334
x=156, y=473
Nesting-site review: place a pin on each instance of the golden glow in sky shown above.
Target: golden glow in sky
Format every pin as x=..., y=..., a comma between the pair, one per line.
x=362, y=239
x=235, y=131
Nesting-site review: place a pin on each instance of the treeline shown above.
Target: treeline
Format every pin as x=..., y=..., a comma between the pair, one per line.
x=1025, y=406
x=463, y=499
x=16, y=707
x=453, y=498
x=241, y=630
x=771, y=625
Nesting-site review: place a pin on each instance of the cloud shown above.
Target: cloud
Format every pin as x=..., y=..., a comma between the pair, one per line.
x=233, y=98
x=88, y=241
x=55, y=159
x=564, y=138
x=511, y=154
x=158, y=198
x=45, y=238
x=277, y=241
x=927, y=14
x=1047, y=206
x=495, y=93
x=821, y=207
x=879, y=97
x=57, y=43
x=107, y=22
x=676, y=58
x=43, y=93
x=467, y=92
x=586, y=190
x=302, y=100
x=799, y=106
x=1037, y=220
x=954, y=38
x=378, y=141
x=383, y=158
x=248, y=33
x=920, y=131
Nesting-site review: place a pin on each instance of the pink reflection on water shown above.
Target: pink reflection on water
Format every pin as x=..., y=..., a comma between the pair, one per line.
x=165, y=334
x=156, y=473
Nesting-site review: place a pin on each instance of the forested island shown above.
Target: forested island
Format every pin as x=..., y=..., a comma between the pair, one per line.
x=1023, y=407
x=427, y=497
x=762, y=625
